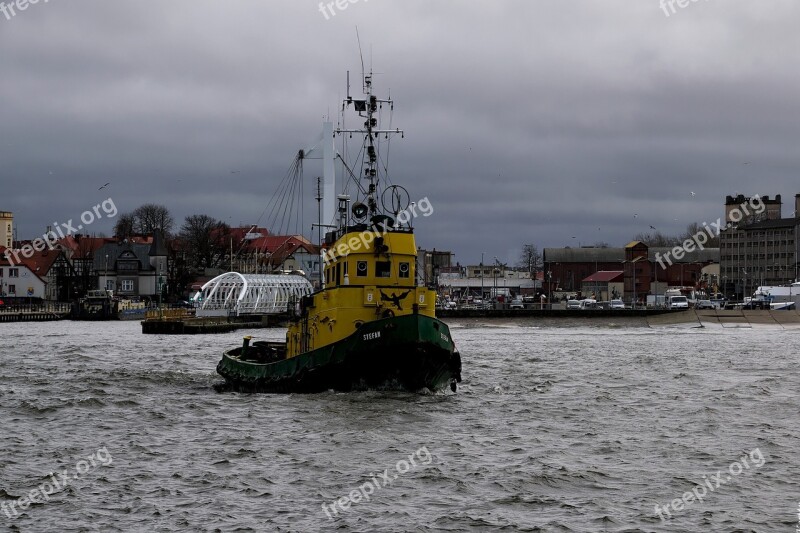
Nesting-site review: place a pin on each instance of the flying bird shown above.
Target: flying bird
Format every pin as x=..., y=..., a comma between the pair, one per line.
x=635, y=215
x=104, y=186
x=653, y=227
x=693, y=193
x=235, y=171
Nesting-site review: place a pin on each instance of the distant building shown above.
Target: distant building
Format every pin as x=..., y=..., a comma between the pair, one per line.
x=256, y=251
x=17, y=279
x=55, y=270
x=566, y=268
x=432, y=263
x=758, y=249
x=487, y=281
x=604, y=285
x=6, y=229
x=131, y=268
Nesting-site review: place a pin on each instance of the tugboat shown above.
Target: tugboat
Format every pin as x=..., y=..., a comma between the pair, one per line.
x=369, y=325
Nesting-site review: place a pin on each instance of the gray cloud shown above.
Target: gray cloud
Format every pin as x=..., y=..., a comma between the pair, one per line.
x=526, y=121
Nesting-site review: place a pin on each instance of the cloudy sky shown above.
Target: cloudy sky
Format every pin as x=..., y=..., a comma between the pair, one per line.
x=549, y=122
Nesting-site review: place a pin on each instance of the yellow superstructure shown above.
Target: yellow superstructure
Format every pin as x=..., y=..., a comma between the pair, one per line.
x=369, y=275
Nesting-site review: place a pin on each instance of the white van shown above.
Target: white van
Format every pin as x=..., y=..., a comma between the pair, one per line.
x=678, y=302
x=588, y=304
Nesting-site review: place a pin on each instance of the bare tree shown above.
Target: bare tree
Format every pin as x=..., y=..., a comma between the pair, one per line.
x=530, y=259
x=150, y=217
x=206, y=240
x=695, y=229
x=125, y=225
x=657, y=239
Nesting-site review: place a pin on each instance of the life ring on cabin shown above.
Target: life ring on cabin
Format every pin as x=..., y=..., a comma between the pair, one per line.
x=387, y=313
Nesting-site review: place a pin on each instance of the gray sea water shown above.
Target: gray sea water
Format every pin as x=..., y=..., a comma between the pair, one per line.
x=568, y=427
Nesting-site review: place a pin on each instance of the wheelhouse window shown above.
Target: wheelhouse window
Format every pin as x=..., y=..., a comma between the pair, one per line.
x=405, y=270
x=361, y=269
x=383, y=269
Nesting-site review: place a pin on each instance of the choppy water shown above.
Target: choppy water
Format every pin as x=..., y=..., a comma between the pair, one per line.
x=554, y=429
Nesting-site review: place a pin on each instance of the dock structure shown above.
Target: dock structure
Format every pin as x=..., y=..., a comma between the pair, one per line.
x=235, y=294
x=733, y=318
x=32, y=316
x=45, y=312
x=548, y=313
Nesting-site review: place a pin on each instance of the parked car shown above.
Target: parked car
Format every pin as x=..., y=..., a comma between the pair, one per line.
x=516, y=304
x=588, y=303
x=678, y=302
x=573, y=304
x=617, y=304
x=707, y=304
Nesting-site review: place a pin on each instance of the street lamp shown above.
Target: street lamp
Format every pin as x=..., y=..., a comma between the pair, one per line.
x=482, y=275
x=495, y=271
x=549, y=288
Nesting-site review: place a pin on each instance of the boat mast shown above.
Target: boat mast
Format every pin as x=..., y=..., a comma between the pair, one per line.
x=367, y=109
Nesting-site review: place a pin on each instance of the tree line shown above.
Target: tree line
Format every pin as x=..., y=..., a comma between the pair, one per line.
x=201, y=241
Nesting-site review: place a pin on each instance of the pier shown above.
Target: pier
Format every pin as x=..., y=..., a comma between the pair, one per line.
x=549, y=313
x=45, y=312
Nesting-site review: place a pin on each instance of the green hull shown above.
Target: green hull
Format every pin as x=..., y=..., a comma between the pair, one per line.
x=410, y=352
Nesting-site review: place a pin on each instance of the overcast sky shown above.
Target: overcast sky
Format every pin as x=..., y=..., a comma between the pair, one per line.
x=549, y=122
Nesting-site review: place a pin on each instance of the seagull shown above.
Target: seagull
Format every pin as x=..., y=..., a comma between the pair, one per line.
x=693, y=193
x=635, y=215
x=652, y=227
x=104, y=186
x=235, y=171
x=747, y=163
